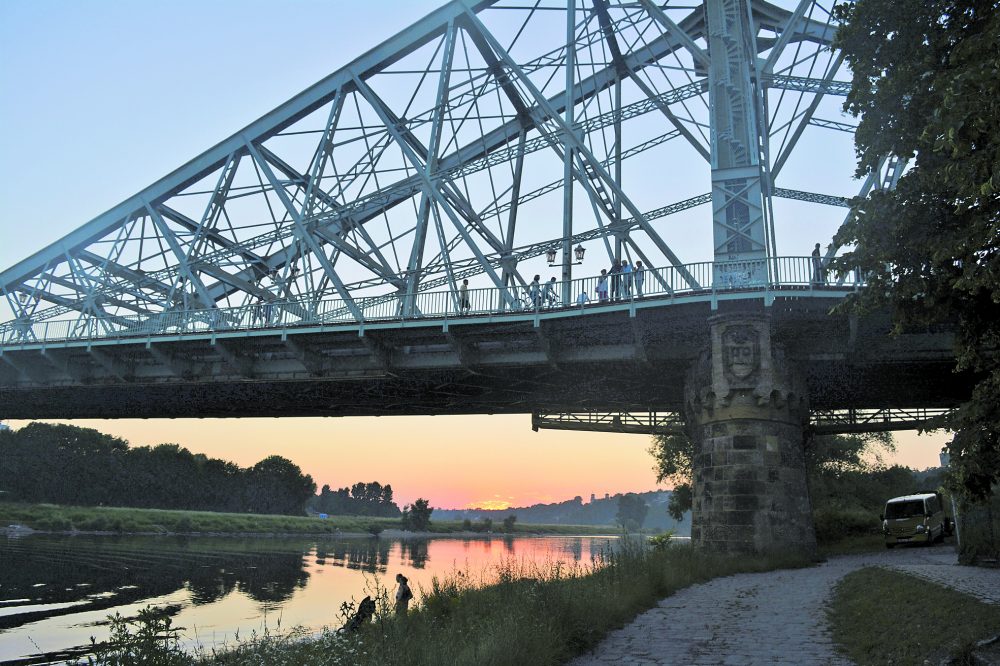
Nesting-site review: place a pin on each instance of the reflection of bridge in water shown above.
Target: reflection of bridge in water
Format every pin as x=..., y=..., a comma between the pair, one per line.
x=315, y=262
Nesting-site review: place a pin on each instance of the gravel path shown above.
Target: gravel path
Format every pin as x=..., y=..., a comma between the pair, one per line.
x=769, y=618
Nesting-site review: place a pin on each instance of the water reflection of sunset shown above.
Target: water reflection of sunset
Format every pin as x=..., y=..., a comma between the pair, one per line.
x=218, y=588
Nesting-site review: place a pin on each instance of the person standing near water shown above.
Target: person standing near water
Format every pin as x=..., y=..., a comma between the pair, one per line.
x=403, y=594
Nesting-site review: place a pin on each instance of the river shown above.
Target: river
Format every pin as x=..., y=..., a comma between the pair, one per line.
x=56, y=592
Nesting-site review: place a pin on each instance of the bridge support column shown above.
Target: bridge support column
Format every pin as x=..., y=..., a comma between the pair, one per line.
x=746, y=407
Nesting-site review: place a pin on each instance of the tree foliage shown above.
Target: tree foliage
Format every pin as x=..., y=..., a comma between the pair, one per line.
x=632, y=510
x=361, y=499
x=508, y=524
x=417, y=516
x=66, y=464
x=829, y=459
x=926, y=86
x=673, y=454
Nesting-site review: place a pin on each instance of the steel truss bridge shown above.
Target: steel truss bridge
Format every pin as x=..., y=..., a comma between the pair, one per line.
x=312, y=262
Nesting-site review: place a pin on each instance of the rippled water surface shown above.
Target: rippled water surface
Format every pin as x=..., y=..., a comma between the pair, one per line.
x=57, y=591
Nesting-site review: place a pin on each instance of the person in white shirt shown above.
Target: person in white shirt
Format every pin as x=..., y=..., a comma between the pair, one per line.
x=639, y=277
x=602, y=286
x=582, y=299
x=549, y=293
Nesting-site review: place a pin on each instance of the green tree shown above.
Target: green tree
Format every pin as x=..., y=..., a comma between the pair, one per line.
x=417, y=516
x=277, y=485
x=825, y=456
x=926, y=88
x=632, y=511
x=508, y=524
x=672, y=455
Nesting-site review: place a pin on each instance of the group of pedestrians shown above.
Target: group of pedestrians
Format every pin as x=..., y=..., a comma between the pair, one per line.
x=540, y=295
x=626, y=280
x=262, y=312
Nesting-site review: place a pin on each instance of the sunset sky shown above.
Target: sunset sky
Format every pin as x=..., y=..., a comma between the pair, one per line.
x=103, y=97
x=455, y=461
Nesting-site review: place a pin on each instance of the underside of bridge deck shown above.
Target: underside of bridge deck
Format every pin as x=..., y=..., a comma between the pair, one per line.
x=605, y=360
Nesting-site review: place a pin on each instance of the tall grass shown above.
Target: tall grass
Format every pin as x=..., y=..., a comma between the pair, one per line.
x=526, y=614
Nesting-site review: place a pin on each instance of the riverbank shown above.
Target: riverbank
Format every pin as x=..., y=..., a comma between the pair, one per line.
x=52, y=518
x=536, y=614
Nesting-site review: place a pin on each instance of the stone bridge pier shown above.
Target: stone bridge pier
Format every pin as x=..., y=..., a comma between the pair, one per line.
x=746, y=408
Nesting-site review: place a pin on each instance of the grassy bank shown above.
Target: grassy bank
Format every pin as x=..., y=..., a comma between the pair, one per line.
x=886, y=617
x=54, y=518
x=853, y=544
x=532, y=616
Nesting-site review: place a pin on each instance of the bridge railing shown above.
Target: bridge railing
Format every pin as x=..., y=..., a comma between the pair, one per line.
x=698, y=278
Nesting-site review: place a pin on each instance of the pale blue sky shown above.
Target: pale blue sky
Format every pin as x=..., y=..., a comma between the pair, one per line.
x=102, y=97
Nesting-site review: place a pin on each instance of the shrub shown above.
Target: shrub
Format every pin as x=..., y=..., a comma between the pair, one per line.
x=662, y=541
x=835, y=524
x=54, y=524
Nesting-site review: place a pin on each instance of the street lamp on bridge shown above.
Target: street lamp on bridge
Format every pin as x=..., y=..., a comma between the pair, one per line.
x=578, y=253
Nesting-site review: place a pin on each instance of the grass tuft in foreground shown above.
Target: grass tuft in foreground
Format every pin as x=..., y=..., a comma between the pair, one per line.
x=527, y=615
x=887, y=617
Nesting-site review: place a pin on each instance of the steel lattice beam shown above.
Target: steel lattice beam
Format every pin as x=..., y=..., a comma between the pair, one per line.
x=822, y=422
x=398, y=188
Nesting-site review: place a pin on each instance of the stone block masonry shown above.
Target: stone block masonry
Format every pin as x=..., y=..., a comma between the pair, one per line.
x=746, y=408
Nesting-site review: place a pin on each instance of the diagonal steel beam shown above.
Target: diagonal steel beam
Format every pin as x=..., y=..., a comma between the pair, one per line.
x=428, y=185
x=415, y=262
x=303, y=232
x=569, y=138
x=804, y=121
x=182, y=260
x=699, y=55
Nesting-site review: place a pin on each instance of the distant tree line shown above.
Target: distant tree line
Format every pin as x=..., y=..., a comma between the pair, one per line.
x=64, y=464
x=599, y=511
x=361, y=499
x=486, y=525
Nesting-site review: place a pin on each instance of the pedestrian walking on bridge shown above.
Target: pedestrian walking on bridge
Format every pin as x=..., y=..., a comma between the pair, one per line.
x=463, y=297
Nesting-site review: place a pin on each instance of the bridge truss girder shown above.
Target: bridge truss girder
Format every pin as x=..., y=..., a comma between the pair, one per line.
x=408, y=169
x=822, y=421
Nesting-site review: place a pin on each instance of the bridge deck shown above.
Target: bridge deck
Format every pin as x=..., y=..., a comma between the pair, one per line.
x=710, y=282
x=628, y=356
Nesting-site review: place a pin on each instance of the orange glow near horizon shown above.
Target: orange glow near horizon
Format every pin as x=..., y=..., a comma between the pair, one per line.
x=490, y=504
x=453, y=461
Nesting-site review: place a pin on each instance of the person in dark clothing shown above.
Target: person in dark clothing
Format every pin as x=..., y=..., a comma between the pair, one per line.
x=403, y=594
x=366, y=610
x=817, y=263
x=616, y=280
